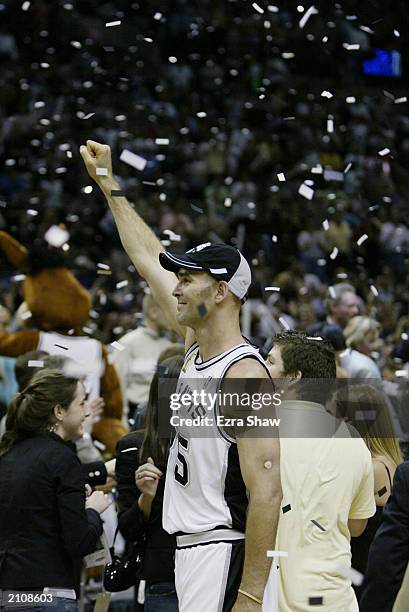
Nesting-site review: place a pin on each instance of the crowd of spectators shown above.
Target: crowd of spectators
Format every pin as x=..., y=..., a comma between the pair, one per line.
x=246, y=97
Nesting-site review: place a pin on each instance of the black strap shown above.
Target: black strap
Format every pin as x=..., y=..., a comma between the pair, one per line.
x=388, y=472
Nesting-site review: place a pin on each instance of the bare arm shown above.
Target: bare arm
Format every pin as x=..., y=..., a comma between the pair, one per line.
x=264, y=489
x=138, y=240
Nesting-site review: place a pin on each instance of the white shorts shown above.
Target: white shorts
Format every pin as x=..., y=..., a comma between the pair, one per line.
x=208, y=576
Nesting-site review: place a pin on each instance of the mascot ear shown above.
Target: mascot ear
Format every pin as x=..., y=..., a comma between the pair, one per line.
x=15, y=252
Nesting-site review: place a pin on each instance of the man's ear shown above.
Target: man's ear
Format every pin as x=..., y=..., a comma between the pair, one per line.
x=222, y=291
x=295, y=377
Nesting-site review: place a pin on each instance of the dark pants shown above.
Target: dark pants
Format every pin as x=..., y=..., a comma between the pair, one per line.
x=161, y=597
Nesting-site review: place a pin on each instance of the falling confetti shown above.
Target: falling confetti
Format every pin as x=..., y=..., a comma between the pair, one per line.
x=326, y=94
x=162, y=141
x=102, y=171
x=306, y=192
x=362, y=239
x=121, y=284
x=257, y=8
x=284, y=323
x=384, y=152
x=348, y=168
x=334, y=253
x=110, y=24
x=325, y=225
x=117, y=346
x=281, y=177
x=374, y=290
x=271, y=288
x=33, y=363
x=401, y=100
x=311, y=11
x=56, y=236
x=133, y=160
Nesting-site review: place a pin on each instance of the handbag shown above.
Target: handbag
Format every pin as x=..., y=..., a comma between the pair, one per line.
x=122, y=573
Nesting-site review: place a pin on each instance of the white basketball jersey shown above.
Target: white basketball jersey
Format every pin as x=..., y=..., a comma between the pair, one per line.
x=85, y=355
x=204, y=488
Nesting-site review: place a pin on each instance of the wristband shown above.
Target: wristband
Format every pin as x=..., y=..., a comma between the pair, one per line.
x=253, y=597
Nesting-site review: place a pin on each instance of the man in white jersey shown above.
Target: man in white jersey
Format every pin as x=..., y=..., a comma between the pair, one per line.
x=207, y=479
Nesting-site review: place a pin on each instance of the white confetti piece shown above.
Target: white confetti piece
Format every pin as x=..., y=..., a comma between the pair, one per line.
x=88, y=189
x=56, y=236
x=349, y=47
x=18, y=277
x=25, y=6
x=362, y=239
x=201, y=114
x=103, y=266
x=306, y=192
x=397, y=33
x=277, y=553
x=272, y=289
x=157, y=16
x=32, y=212
x=400, y=100
x=402, y=373
x=334, y=253
x=326, y=94
x=384, y=152
x=404, y=336
x=316, y=169
x=102, y=171
x=85, y=117
x=26, y=315
x=274, y=238
x=257, y=8
x=350, y=99
x=118, y=346
x=172, y=59
x=287, y=55
x=315, y=338
x=39, y=104
x=149, y=40
x=33, y=363
x=374, y=290
x=136, y=161
x=311, y=11
x=162, y=141
x=325, y=225
x=76, y=44
x=330, y=125
x=332, y=293
x=172, y=236
x=281, y=177
x=284, y=323
x=121, y=284
x=99, y=445
x=227, y=202
x=366, y=29
x=196, y=208
x=110, y=24
x=348, y=168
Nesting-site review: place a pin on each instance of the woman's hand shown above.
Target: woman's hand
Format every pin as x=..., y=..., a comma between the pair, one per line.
x=147, y=478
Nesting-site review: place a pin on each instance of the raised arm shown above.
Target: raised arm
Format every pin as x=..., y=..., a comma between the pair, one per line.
x=138, y=240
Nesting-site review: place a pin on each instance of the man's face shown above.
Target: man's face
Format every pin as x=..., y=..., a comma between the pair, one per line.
x=195, y=294
x=275, y=363
x=347, y=307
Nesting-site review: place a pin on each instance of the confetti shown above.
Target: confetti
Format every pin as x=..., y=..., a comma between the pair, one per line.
x=172, y=59
x=332, y=293
x=315, y=601
x=274, y=238
x=362, y=239
x=110, y=24
x=56, y=236
x=326, y=94
x=128, y=450
x=348, y=168
x=26, y=315
x=88, y=189
x=162, y=141
x=118, y=346
x=288, y=55
x=311, y=11
x=318, y=525
x=382, y=491
x=85, y=117
x=118, y=193
x=35, y=364
x=402, y=373
x=350, y=100
x=25, y=6
x=286, y=508
x=271, y=288
x=334, y=253
x=306, y=192
x=61, y=347
x=268, y=465
x=400, y=100
x=356, y=577
x=281, y=177
x=258, y=8
x=99, y=445
x=133, y=160
x=196, y=208
x=32, y=212
x=148, y=40
x=316, y=169
x=277, y=553
x=330, y=125
x=121, y=284
x=384, y=152
x=374, y=290
x=349, y=47
x=201, y=114
x=19, y=277
x=284, y=323
x=325, y=225
x=102, y=171
x=103, y=266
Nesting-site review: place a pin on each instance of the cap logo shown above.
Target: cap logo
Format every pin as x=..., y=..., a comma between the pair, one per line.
x=199, y=247
x=218, y=270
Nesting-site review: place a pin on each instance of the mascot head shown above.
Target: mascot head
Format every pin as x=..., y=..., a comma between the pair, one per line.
x=56, y=300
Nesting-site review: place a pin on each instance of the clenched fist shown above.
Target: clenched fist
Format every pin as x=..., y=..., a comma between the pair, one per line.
x=98, y=162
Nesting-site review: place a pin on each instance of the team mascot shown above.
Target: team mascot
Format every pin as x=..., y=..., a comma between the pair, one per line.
x=59, y=307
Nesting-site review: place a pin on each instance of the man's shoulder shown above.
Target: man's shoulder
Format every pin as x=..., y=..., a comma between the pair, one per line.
x=250, y=366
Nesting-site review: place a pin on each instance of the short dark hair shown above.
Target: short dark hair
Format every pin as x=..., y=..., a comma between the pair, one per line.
x=313, y=357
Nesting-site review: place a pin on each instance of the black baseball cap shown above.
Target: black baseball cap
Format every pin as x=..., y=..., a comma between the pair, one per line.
x=222, y=261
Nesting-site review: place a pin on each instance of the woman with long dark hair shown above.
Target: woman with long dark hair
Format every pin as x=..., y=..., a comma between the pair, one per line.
x=46, y=523
x=140, y=471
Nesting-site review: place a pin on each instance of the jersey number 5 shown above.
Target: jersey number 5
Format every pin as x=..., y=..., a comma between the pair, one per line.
x=181, y=467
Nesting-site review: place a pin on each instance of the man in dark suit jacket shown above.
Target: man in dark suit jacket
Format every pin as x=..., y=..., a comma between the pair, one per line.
x=389, y=552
